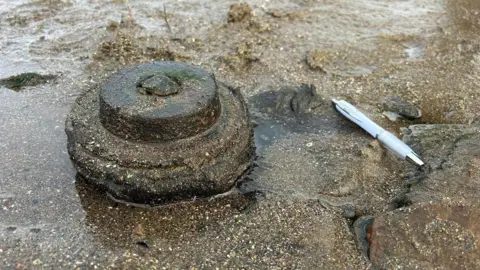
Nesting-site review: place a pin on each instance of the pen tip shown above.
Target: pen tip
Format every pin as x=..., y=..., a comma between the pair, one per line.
x=414, y=159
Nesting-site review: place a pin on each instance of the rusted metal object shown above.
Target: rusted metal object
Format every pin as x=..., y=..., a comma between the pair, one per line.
x=161, y=132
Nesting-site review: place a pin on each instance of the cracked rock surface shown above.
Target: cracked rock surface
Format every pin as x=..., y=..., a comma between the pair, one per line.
x=440, y=228
x=452, y=152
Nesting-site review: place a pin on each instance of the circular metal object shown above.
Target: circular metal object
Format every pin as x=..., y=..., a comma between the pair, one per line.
x=161, y=132
x=159, y=101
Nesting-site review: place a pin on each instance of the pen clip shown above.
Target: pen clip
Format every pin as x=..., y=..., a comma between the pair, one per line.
x=351, y=114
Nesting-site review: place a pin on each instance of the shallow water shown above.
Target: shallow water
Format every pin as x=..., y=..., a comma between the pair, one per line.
x=307, y=166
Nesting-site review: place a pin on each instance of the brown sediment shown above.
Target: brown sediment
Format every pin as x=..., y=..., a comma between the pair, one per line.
x=318, y=59
x=242, y=59
x=465, y=13
x=311, y=165
x=240, y=12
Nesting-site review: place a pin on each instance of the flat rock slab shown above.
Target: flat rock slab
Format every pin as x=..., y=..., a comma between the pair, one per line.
x=453, y=155
x=441, y=227
x=427, y=236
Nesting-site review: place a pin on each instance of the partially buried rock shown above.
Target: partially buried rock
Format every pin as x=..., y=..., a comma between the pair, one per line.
x=291, y=101
x=393, y=105
x=17, y=82
x=444, y=235
x=301, y=100
x=361, y=228
x=161, y=132
x=452, y=153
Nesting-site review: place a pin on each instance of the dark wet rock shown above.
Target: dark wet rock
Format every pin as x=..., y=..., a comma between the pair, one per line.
x=17, y=82
x=35, y=230
x=362, y=227
x=142, y=244
x=427, y=236
x=400, y=107
x=348, y=210
x=452, y=153
x=305, y=99
x=239, y=12
x=400, y=201
x=148, y=148
x=11, y=228
x=289, y=101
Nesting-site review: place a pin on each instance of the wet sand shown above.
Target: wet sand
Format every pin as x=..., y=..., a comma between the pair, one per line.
x=317, y=173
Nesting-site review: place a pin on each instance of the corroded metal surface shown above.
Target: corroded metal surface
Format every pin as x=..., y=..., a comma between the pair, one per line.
x=148, y=148
x=184, y=104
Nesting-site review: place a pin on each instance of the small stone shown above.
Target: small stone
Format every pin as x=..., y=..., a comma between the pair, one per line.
x=392, y=116
x=37, y=262
x=11, y=228
x=401, y=107
x=374, y=144
x=35, y=230
x=138, y=230
x=361, y=227
x=348, y=210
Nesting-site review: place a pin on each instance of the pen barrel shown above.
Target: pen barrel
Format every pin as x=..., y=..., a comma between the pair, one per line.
x=360, y=119
x=371, y=127
x=394, y=144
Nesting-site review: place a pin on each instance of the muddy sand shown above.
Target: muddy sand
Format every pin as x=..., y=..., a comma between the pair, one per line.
x=323, y=194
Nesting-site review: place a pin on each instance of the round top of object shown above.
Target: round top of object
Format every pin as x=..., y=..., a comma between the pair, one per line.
x=159, y=101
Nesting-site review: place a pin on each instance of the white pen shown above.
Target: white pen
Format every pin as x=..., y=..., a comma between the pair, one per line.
x=391, y=142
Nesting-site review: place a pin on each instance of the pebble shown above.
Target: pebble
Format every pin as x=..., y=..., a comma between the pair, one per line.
x=396, y=106
x=392, y=116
